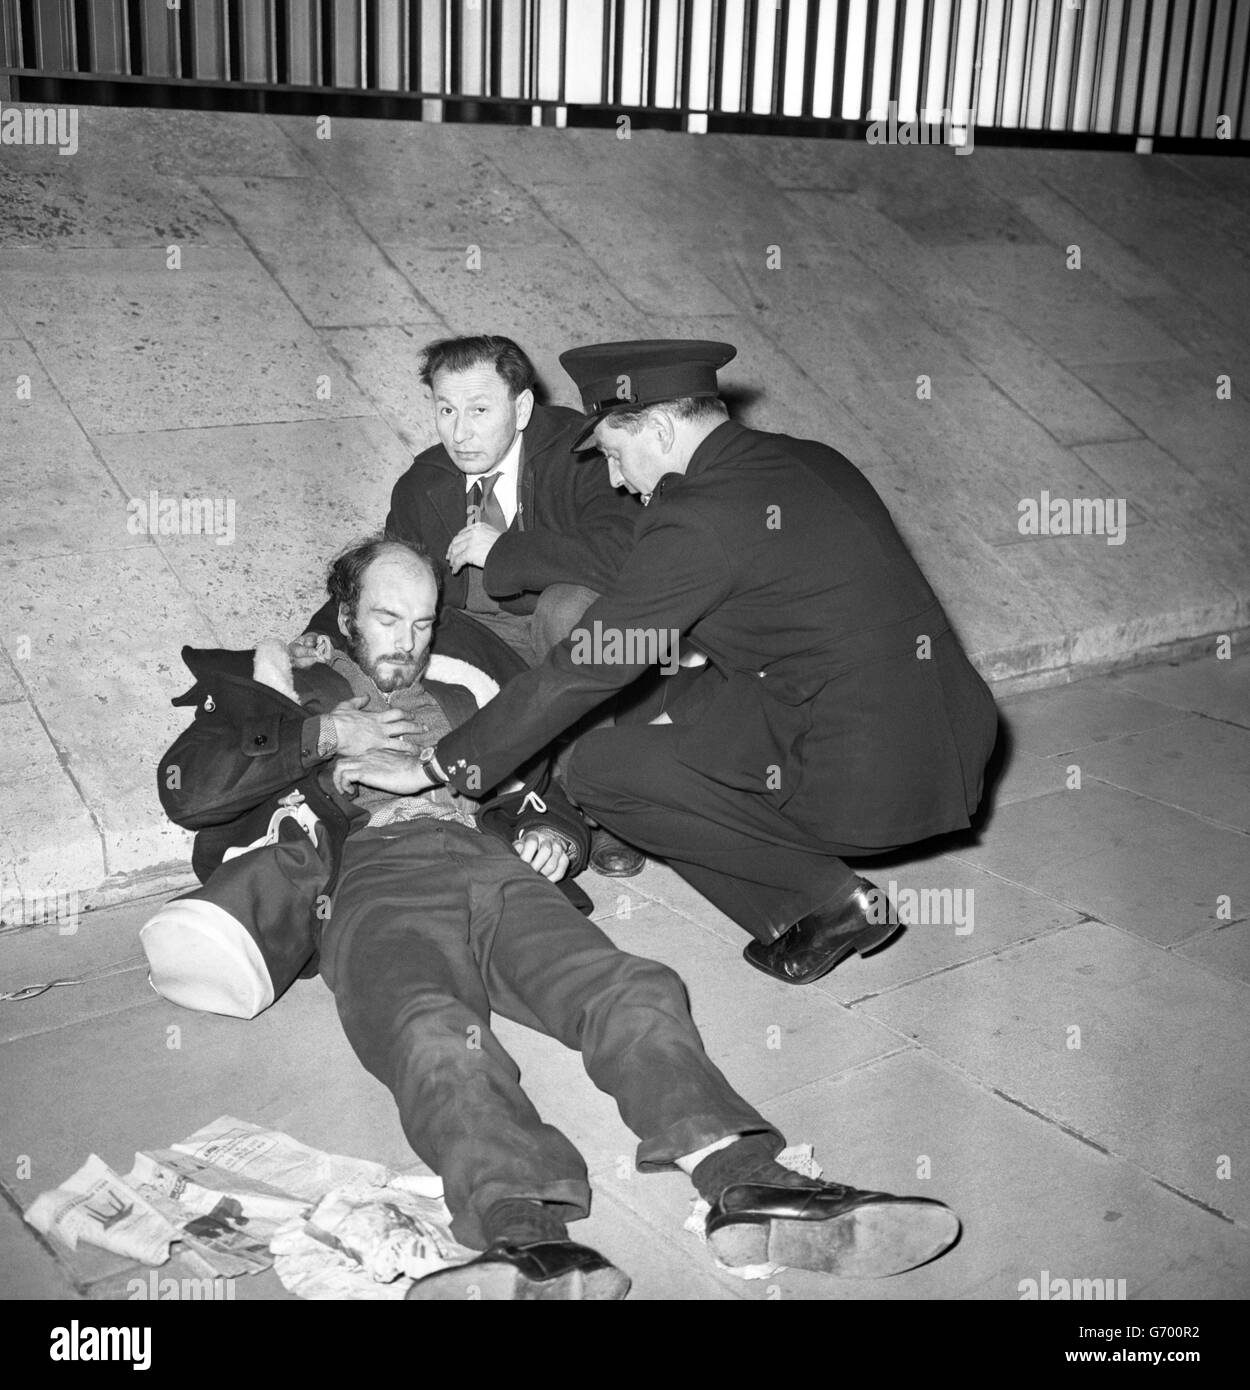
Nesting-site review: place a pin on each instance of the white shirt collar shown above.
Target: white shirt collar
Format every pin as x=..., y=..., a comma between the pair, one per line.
x=507, y=467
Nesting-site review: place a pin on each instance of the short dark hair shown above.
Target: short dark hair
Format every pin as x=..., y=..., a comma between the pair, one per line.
x=463, y=354
x=347, y=569
x=681, y=408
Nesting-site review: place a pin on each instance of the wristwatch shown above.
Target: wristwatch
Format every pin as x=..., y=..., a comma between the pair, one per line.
x=429, y=764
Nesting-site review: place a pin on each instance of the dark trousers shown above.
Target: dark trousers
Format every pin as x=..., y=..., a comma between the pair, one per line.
x=734, y=846
x=432, y=927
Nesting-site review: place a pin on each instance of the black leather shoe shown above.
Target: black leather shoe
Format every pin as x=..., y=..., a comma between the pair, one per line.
x=828, y=1228
x=816, y=943
x=613, y=858
x=549, y=1269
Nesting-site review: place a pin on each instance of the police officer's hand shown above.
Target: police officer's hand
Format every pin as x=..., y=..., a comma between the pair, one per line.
x=471, y=546
x=544, y=851
x=309, y=649
x=396, y=770
x=358, y=732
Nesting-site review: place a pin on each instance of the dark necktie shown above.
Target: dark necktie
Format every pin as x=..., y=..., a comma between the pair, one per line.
x=484, y=505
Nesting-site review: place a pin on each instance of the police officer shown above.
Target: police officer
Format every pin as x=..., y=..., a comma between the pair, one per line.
x=837, y=714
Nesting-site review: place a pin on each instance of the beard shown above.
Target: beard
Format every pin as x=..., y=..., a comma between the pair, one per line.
x=389, y=671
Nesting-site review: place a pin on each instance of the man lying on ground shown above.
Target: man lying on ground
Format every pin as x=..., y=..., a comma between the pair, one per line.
x=432, y=926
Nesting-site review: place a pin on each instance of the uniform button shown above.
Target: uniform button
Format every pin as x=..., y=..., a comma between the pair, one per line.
x=260, y=740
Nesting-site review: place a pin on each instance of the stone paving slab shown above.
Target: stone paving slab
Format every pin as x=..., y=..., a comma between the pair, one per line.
x=766, y=1037
x=1175, y=404
x=1211, y=686
x=195, y=143
x=1033, y=379
x=28, y=1271
x=1071, y=314
x=103, y=196
x=109, y=651
x=1174, y=499
x=551, y=295
x=1091, y=712
x=1155, y=871
x=1030, y=1196
x=1203, y=767
x=382, y=361
x=1130, y=1078
x=48, y=825
x=438, y=188
x=287, y=520
x=1225, y=950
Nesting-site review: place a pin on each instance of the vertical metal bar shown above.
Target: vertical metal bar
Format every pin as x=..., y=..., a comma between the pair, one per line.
x=686, y=23
x=952, y=52
x=1110, y=68
x=1222, y=54
x=1156, y=68
x=605, y=55
x=747, y=86
x=1238, y=55
x=882, y=63
x=10, y=39
x=1195, y=53
x=385, y=45
x=1085, y=65
x=55, y=40
x=896, y=58
x=651, y=78
x=965, y=39
x=1015, y=79
x=414, y=82
x=256, y=41
x=776, y=86
x=618, y=51
x=716, y=59
x=342, y=43
x=1241, y=126
x=987, y=70
x=109, y=36
x=1128, y=82
x=839, y=58
x=1215, y=52
x=484, y=48
x=1056, y=28
x=1173, y=71
x=302, y=18
x=1143, y=60
x=870, y=53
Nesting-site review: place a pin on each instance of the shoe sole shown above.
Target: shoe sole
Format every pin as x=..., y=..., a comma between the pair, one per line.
x=616, y=873
x=872, y=1242
x=501, y=1283
x=862, y=945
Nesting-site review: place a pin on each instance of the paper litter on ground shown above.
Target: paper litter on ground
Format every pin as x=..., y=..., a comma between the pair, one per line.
x=237, y=1198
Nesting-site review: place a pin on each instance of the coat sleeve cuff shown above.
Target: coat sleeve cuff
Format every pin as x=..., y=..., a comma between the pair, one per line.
x=318, y=740
x=462, y=775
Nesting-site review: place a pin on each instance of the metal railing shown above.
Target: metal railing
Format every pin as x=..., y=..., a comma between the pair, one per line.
x=1137, y=69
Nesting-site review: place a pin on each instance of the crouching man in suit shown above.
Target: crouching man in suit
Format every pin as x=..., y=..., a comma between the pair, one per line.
x=524, y=535
x=431, y=927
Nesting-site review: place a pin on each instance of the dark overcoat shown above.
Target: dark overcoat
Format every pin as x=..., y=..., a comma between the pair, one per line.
x=840, y=691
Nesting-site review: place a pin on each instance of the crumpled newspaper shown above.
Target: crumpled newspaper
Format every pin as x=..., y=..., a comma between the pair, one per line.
x=799, y=1158
x=230, y=1189
x=362, y=1241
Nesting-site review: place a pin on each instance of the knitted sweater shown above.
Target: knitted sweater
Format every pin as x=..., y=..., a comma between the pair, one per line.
x=385, y=808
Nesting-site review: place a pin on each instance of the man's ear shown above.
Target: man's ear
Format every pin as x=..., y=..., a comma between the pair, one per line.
x=524, y=408
x=345, y=625
x=665, y=431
